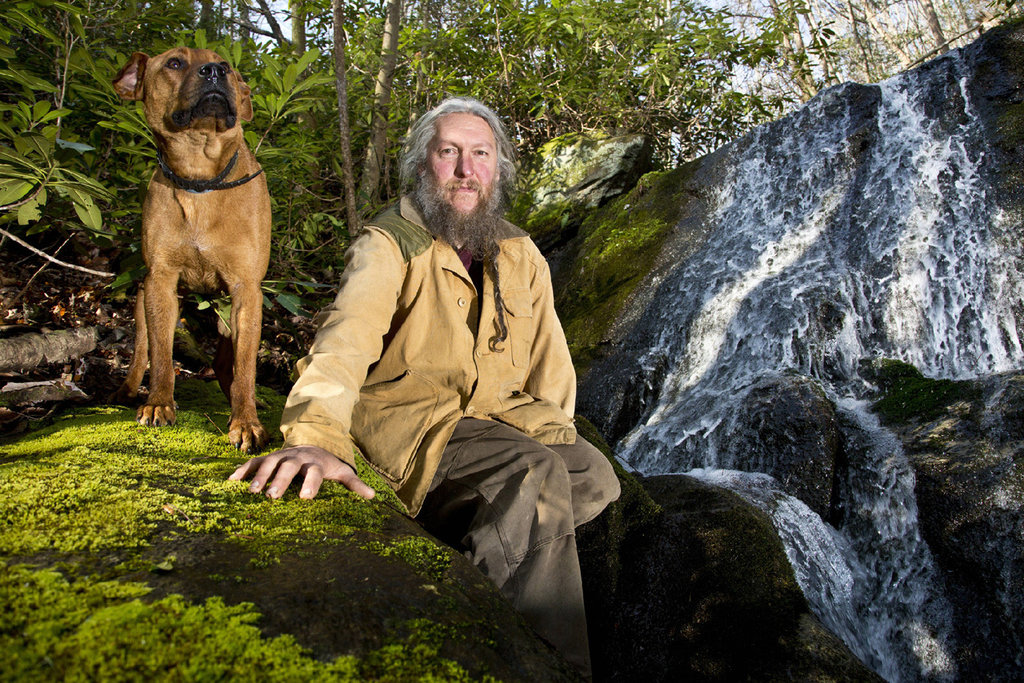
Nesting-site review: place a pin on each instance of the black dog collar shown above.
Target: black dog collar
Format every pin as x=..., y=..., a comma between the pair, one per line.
x=200, y=186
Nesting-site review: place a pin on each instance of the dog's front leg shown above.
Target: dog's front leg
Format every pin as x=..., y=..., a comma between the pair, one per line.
x=161, y=306
x=244, y=430
x=129, y=389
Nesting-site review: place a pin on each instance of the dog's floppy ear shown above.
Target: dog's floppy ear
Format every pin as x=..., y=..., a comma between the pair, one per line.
x=244, y=98
x=128, y=82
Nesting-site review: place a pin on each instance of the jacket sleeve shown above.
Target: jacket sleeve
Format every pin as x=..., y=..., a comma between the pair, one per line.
x=551, y=376
x=349, y=339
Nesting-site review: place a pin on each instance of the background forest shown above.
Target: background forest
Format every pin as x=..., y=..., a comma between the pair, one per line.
x=336, y=85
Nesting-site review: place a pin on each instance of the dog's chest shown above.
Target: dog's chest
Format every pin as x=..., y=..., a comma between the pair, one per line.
x=203, y=255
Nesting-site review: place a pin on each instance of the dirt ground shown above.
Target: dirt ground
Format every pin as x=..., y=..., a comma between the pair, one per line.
x=37, y=296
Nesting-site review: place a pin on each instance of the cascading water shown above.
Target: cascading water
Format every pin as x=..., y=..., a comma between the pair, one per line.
x=885, y=243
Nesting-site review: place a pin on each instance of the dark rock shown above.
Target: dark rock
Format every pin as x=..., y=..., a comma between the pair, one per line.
x=687, y=581
x=970, y=496
x=788, y=429
x=703, y=591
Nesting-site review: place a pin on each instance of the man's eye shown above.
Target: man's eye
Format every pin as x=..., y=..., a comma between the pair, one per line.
x=173, y=63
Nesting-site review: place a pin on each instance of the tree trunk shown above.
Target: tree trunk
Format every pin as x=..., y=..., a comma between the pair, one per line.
x=935, y=27
x=341, y=85
x=298, y=11
x=795, y=54
x=207, y=21
x=370, y=182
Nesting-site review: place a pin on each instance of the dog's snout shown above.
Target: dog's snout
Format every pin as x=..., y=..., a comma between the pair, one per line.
x=213, y=71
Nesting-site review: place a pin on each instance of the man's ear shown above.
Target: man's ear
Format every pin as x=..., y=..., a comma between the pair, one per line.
x=128, y=82
x=244, y=99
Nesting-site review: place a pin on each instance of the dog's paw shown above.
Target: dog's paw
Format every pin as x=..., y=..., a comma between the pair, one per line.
x=155, y=415
x=125, y=395
x=248, y=436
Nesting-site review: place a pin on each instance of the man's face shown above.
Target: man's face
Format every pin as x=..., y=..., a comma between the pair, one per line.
x=463, y=159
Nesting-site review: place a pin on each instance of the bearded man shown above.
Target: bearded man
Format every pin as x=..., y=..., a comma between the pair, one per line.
x=442, y=359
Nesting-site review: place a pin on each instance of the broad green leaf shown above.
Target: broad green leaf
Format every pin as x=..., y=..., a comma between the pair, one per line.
x=29, y=211
x=13, y=190
x=89, y=213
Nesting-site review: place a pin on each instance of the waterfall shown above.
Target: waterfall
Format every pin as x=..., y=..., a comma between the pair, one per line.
x=840, y=236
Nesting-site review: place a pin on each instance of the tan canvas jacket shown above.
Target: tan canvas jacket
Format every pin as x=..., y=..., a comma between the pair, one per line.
x=396, y=362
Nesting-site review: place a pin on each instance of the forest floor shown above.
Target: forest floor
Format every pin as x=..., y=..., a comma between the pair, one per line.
x=37, y=299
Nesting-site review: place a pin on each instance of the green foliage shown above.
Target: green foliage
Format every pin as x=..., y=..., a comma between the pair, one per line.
x=75, y=159
x=560, y=67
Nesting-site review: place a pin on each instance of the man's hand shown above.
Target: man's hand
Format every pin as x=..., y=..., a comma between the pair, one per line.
x=276, y=471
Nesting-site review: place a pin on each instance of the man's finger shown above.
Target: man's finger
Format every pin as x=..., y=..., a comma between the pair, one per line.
x=286, y=470
x=246, y=469
x=264, y=472
x=353, y=483
x=311, y=483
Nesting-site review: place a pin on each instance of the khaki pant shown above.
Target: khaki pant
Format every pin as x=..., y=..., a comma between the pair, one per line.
x=512, y=505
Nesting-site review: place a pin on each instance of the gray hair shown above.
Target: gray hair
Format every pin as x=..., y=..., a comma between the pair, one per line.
x=414, y=155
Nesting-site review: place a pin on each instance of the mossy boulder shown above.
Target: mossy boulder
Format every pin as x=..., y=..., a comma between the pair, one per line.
x=687, y=581
x=125, y=554
x=965, y=441
x=618, y=247
x=573, y=174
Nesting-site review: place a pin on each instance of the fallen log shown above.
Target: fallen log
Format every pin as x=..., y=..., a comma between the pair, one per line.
x=27, y=351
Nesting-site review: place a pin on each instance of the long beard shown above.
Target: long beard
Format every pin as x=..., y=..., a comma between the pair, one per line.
x=475, y=231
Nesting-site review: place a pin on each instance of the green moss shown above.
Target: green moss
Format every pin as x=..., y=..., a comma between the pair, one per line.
x=620, y=243
x=55, y=629
x=108, y=502
x=909, y=395
x=421, y=553
x=95, y=480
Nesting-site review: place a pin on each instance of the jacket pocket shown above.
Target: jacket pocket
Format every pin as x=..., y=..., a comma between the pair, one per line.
x=391, y=419
x=519, y=316
x=541, y=420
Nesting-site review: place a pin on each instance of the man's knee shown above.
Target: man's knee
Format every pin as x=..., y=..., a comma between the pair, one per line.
x=594, y=482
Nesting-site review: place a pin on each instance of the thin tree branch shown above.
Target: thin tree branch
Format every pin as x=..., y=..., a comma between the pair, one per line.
x=52, y=259
x=274, y=26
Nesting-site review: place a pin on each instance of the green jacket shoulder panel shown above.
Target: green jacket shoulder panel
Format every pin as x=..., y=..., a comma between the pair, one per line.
x=412, y=239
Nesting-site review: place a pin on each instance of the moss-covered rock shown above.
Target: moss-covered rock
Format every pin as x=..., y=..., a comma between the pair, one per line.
x=127, y=555
x=699, y=588
x=906, y=394
x=615, y=250
x=573, y=174
x=965, y=441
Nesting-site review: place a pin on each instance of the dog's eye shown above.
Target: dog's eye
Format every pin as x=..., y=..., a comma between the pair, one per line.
x=173, y=63
x=227, y=67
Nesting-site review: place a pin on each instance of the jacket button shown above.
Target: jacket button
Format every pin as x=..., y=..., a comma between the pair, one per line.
x=462, y=302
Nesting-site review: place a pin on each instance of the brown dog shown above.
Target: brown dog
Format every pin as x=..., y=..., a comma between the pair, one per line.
x=205, y=227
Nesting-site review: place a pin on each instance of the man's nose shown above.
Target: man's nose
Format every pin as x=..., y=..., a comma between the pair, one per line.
x=464, y=166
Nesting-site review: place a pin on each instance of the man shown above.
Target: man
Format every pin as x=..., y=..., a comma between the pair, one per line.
x=443, y=359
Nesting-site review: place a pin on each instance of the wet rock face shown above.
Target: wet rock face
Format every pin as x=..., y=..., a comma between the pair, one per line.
x=701, y=591
x=789, y=430
x=969, y=464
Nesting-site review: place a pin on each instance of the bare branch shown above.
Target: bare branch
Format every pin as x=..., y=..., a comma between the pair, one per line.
x=278, y=34
x=49, y=258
